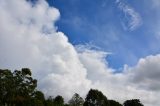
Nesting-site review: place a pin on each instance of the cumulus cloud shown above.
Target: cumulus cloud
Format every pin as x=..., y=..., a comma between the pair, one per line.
x=133, y=82
x=28, y=38
x=145, y=76
x=132, y=19
x=147, y=72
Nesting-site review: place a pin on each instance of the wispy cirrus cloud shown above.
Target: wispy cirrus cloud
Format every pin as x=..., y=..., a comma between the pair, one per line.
x=132, y=19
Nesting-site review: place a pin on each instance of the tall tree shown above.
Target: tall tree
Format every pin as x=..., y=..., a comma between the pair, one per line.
x=6, y=87
x=17, y=88
x=95, y=98
x=76, y=100
x=24, y=85
x=133, y=102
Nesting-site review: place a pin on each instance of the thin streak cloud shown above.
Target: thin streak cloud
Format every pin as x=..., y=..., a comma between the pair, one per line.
x=131, y=19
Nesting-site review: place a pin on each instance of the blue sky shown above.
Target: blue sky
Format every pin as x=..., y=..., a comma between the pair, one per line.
x=105, y=24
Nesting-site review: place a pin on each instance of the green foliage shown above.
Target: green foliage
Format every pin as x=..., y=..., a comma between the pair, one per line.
x=95, y=98
x=58, y=101
x=66, y=105
x=39, y=95
x=76, y=100
x=17, y=88
x=114, y=103
x=49, y=101
x=6, y=86
x=24, y=83
x=133, y=102
x=38, y=98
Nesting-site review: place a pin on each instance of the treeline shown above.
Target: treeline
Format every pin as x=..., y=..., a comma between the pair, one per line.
x=18, y=88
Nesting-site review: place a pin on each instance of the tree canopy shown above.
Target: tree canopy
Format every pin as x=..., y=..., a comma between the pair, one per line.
x=95, y=98
x=76, y=100
x=59, y=101
x=133, y=102
x=114, y=103
x=17, y=87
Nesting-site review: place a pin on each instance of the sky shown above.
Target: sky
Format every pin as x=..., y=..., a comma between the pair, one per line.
x=74, y=45
x=120, y=27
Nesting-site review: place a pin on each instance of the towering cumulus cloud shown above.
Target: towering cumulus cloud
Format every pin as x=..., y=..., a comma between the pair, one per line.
x=28, y=38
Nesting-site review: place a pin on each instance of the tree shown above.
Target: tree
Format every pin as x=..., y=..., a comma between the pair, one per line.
x=17, y=88
x=76, y=100
x=6, y=87
x=66, y=105
x=49, y=101
x=133, y=102
x=95, y=98
x=38, y=99
x=24, y=86
x=58, y=101
x=114, y=103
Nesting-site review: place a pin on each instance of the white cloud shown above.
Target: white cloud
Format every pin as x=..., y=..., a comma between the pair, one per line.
x=24, y=43
x=132, y=19
x=145, y=76
x=135, y=82
x=29, y=39
x=147, y=72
